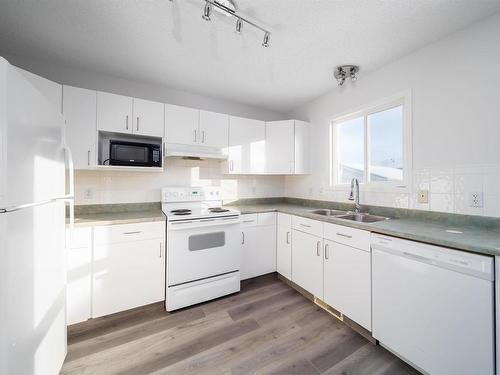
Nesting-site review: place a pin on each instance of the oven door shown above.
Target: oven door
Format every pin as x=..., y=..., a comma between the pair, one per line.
x=197, y=249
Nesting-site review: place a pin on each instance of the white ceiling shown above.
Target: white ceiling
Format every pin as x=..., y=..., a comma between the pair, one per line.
x=168, y=43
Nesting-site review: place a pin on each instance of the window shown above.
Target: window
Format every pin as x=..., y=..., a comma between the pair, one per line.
x=371, y=145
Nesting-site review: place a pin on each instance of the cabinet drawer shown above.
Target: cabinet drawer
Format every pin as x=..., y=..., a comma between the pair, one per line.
x=128, y=232
x=248, y=220
x=357, y=238
x=267, y=218
x=78, y=237
x=284, y=220
x=308, y=226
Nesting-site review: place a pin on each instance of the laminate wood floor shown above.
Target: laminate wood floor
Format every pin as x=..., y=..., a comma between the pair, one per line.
x=267, y=328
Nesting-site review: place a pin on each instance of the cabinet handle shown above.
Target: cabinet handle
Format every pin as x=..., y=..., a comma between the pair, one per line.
x=288, y=237
x=136, y=232
x=343, y=235
x=318, y=246
x=242, y=238
x=231, y=165
x=195, y=135
x=327, y=255
x=88, y=157
x=137, y=123
x=126, y=122
x=160, y=250
x=305, y=225
x=248, y=221
x=203, y=136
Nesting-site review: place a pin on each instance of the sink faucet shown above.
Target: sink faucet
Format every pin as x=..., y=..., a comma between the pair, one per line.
x=355, y=198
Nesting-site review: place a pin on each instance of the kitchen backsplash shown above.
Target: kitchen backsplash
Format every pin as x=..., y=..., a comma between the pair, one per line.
x=107, y=187
x=449, y=190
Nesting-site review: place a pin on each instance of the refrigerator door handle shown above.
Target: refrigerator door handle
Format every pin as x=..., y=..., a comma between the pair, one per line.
x=69, y=198
x=20, y=207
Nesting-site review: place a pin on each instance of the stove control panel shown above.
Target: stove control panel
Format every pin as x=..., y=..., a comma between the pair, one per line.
x=190, y=194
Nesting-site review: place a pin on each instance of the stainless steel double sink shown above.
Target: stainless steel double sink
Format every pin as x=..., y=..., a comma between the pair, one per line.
x=351, y=216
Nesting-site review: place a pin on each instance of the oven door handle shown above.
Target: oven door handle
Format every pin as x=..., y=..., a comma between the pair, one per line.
x=203, y=223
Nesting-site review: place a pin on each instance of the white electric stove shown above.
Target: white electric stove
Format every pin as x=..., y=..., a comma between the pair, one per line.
x=203, y=246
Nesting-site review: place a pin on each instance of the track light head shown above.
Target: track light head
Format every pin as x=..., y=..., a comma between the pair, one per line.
x=341, y=72
x=267, y=39
x=207, y=11
x=239, y=25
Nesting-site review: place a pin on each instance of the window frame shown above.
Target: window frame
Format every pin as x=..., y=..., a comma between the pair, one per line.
x=402, y=99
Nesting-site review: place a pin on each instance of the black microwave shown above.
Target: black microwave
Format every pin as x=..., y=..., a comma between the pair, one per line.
x=134, y=154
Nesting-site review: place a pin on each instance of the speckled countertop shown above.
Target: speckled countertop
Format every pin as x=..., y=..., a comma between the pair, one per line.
x=479, y=234
x=113, y=214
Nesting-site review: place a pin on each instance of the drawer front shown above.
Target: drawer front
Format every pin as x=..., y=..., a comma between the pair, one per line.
x=267, y=218
x=284, y=220
x=248, y=220
x=78, y=237
x=303, y=224
x=128, y=232
x=353, y=237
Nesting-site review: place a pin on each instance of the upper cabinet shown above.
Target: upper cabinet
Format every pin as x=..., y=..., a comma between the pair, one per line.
x=79, y=110
x=181, y=125
x=188, y=126
x=123, y=114
x=247, y=146
x=286, y=147
x=214, y=128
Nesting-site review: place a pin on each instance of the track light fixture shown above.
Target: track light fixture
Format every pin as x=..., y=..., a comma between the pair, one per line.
x=341, y=72
x=207, y=11
x=228, y=8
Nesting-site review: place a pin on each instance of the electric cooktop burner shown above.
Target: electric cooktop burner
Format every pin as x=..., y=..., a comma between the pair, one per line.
x=181, y=212
x=218, y=209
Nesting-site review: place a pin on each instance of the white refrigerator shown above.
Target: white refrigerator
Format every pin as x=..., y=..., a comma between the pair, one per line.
x=35, y=186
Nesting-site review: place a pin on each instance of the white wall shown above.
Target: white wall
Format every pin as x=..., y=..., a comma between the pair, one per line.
x=126, y=187
x=455, y=87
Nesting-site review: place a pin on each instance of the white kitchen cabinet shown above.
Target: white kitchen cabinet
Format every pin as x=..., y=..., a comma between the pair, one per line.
x=148, y=118
x=182, y=125
x=307, y=262
x=79, y=110
x=78, y=275
x=258, y=249
x=214, y=129
x=287, y=150
x=128, y=269
x=114, y=112
x=247, y=146
x=347, y=281
x=284, y=245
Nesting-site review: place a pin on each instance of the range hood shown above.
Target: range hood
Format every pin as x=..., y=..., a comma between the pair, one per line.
x=194, y=152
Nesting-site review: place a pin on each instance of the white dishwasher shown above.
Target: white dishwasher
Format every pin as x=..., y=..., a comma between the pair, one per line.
x=434, y=306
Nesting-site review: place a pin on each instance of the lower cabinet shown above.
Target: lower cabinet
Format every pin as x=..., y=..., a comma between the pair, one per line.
x=347, y=281
x=258, y=244
x=307, y=262
x=284, y=245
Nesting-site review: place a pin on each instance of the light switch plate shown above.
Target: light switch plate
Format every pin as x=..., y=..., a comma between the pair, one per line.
x=423, y=196
x=88, y=194
x=476, y=199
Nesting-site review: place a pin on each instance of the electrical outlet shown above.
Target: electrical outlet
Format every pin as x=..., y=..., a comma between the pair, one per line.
x=88, y=194
x=476, y=199
x=254, y=190
x=423, y=196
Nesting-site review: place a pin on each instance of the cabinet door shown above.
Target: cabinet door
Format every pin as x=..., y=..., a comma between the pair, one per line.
x=78, y=288
x=247, y=146
x=214, y=129
x=302, y=148
x=307, y=262
x=148, y=118
x=284, y=246
x=127, y=275
x=280, y=147
x=181, y=125
x=347, y=281
x=114, y=112
x=265, y=251
x=248, y=249
x=79, y=109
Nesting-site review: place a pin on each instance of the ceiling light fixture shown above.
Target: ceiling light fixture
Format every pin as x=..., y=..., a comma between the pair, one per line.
x=228, y=7
x=207, y=11
x=342, y=71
